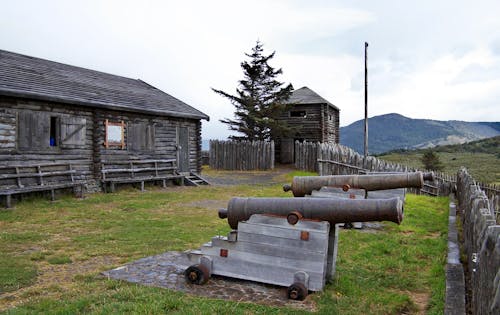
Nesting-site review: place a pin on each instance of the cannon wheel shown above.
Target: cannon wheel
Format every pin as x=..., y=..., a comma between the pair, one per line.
x=297, y=291
x=196, y=274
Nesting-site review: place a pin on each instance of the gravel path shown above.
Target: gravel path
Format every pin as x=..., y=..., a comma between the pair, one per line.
x=167, y=271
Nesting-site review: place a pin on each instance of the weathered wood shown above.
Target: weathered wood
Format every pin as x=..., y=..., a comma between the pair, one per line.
x=335, y=159
x=481, y=237
x=154, y=170
x=241, y=155
x=30, y=178
x=81, y=136
x=270, y=250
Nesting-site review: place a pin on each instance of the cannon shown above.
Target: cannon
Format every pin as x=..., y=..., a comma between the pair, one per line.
x=332, y=210
x=290, y=242
x=304, y=185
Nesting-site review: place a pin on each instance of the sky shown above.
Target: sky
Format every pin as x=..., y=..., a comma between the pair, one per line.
x=426, y=59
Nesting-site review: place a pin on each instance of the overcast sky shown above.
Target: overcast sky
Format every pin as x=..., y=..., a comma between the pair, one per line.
x=427, y=59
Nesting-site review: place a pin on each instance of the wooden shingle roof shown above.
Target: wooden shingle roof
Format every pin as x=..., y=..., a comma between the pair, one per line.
x=35, y=78
x=305, y=95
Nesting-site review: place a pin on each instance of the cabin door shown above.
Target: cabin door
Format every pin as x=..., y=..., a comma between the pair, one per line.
x=183, y=149
x=287, y=151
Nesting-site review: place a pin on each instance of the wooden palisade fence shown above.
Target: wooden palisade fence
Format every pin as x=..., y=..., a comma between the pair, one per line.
x=241, y=155
x=481, y=244
x=332, y=158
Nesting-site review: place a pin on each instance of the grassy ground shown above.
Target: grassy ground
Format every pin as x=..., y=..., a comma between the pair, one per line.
x=51, y=254
x=484, y=167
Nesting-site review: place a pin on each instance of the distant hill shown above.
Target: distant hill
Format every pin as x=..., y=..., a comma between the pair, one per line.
x=393, y=131
x=486, y=145
x=481, y=158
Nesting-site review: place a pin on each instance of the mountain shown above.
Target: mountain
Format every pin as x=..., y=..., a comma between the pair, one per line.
x=393, y=131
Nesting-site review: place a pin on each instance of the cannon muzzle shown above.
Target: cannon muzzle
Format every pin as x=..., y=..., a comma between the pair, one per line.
x=304, y=185
x=331, y=210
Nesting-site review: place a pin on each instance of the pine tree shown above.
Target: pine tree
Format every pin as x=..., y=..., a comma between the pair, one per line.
x=260, y=100
x=431, y=161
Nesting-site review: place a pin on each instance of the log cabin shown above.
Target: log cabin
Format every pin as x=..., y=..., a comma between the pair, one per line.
x=54, y=114
x=316, y=119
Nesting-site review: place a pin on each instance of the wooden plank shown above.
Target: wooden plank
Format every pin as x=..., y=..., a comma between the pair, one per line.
x=38, y=175
x=255, y=271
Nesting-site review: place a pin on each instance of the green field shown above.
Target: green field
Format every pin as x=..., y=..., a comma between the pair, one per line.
x=51, y=255
x=484, y=167
x=481, y=158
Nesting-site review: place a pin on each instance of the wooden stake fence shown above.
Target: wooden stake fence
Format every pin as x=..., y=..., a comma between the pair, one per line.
x=241, y=155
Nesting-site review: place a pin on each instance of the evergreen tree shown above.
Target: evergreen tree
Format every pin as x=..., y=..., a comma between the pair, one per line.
x=431, y=161
x=260, y=100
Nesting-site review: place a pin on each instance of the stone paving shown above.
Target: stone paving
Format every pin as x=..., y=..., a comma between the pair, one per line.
x=167, y=271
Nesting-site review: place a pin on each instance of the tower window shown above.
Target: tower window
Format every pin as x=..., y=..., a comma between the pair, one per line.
x=298, y=113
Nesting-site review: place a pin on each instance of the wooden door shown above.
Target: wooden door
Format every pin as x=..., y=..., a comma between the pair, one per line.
x=287, y=151
x=183, y=149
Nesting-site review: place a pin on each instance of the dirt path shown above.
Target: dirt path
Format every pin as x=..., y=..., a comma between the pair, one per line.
x=276, y=176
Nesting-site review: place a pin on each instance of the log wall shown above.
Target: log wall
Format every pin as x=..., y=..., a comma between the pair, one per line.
x=10, y=154
x=86, y=149
x=320, y=124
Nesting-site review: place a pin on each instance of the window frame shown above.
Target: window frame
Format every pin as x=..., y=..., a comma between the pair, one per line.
x=110, y=143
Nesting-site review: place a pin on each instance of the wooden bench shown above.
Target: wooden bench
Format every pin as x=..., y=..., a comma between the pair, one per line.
x=20, y=179
x=138, y=171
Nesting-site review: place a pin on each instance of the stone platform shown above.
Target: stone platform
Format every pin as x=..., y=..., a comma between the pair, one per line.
x=167, y=271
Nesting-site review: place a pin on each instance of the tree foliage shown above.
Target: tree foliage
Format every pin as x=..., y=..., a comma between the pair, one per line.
x=260, y=99
x=431, y=161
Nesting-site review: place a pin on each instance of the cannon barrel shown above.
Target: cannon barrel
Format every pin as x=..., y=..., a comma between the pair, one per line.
x=331, y=210
x=304, y=185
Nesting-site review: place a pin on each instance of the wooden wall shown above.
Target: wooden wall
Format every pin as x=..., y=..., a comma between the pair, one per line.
x=330, y=125
x=10, y=153
x=321, y=124
x=86, y=154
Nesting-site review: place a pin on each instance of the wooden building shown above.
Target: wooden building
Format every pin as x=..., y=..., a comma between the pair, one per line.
x=316, y=119
x=56, y=113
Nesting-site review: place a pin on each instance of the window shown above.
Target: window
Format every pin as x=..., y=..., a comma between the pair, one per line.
x=298, y=113
x=115, y=134
x=54, y=141
x=43, y=130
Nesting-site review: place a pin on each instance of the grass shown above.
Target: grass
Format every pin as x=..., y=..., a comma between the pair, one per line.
x=51, y=254
x=484, y=167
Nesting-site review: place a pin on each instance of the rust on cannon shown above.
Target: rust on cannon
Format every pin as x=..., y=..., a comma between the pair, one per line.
x=331, y=210
x=304, y=185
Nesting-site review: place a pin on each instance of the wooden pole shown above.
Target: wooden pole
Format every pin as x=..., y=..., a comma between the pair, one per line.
x=366, y=100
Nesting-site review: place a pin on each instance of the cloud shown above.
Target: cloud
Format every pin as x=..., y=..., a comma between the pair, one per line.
x=425, y=60
x=444, y=90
